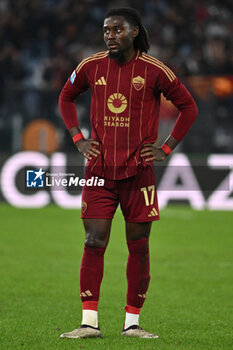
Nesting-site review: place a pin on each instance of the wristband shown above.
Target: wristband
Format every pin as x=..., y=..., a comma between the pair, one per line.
x=78, y=137
x=166, y=149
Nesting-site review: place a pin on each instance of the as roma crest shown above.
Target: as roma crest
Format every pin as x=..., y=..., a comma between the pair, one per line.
x=138, y=82
x=83, y=206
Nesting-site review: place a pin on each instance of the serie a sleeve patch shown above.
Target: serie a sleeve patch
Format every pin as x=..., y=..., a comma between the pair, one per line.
x=72, y=77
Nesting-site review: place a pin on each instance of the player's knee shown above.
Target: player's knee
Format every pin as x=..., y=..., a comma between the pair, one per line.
x=135, y=236
x=137, y=231
x=95, y=241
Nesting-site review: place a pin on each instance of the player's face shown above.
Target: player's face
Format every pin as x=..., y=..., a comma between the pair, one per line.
x=119, y=35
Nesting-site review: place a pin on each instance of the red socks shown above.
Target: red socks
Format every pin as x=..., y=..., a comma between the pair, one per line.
x=138, y=277
x=138, y=274
x=91, y=274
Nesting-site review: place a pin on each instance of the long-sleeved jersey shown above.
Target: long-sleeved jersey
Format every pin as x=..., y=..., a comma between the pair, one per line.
x=125, y=108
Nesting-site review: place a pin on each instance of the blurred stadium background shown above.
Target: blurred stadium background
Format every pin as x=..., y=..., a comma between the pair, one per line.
x=43, y=41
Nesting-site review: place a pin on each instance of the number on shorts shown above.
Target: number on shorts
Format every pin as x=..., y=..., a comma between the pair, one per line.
x=145, y=191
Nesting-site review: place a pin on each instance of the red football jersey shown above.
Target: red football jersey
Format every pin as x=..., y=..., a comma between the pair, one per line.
x=125, y=108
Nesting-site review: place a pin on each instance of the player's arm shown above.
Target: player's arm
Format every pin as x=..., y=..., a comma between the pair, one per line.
x=74, y=86
x=176, y=92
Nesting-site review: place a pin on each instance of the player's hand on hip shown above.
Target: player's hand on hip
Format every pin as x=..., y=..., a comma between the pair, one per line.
x=88, y=148
x=150, y=152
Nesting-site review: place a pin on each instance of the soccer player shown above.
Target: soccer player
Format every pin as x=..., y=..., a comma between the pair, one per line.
x=126, y=84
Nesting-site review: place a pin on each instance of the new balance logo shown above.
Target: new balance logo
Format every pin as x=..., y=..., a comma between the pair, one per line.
x=153, y=213
x=87, y=293
x=101, y=81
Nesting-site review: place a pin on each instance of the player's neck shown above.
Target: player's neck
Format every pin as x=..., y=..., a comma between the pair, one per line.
x=127, y=56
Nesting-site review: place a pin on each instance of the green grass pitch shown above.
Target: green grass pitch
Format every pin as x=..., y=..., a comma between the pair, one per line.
x=189, y=303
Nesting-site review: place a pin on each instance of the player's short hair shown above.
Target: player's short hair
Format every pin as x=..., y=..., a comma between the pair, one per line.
x=141, y=42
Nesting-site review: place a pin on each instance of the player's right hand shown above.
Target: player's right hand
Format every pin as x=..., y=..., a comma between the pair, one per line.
x=88, y=148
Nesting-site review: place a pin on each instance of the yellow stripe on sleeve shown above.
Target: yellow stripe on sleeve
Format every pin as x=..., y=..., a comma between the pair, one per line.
x=171, y=76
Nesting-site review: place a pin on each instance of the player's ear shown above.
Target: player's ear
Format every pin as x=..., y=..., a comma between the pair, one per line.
x=135, y=31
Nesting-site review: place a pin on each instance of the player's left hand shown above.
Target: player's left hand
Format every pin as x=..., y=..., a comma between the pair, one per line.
x=150, y=152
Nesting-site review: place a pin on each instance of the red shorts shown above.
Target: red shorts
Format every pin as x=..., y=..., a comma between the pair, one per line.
x=137, y=197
